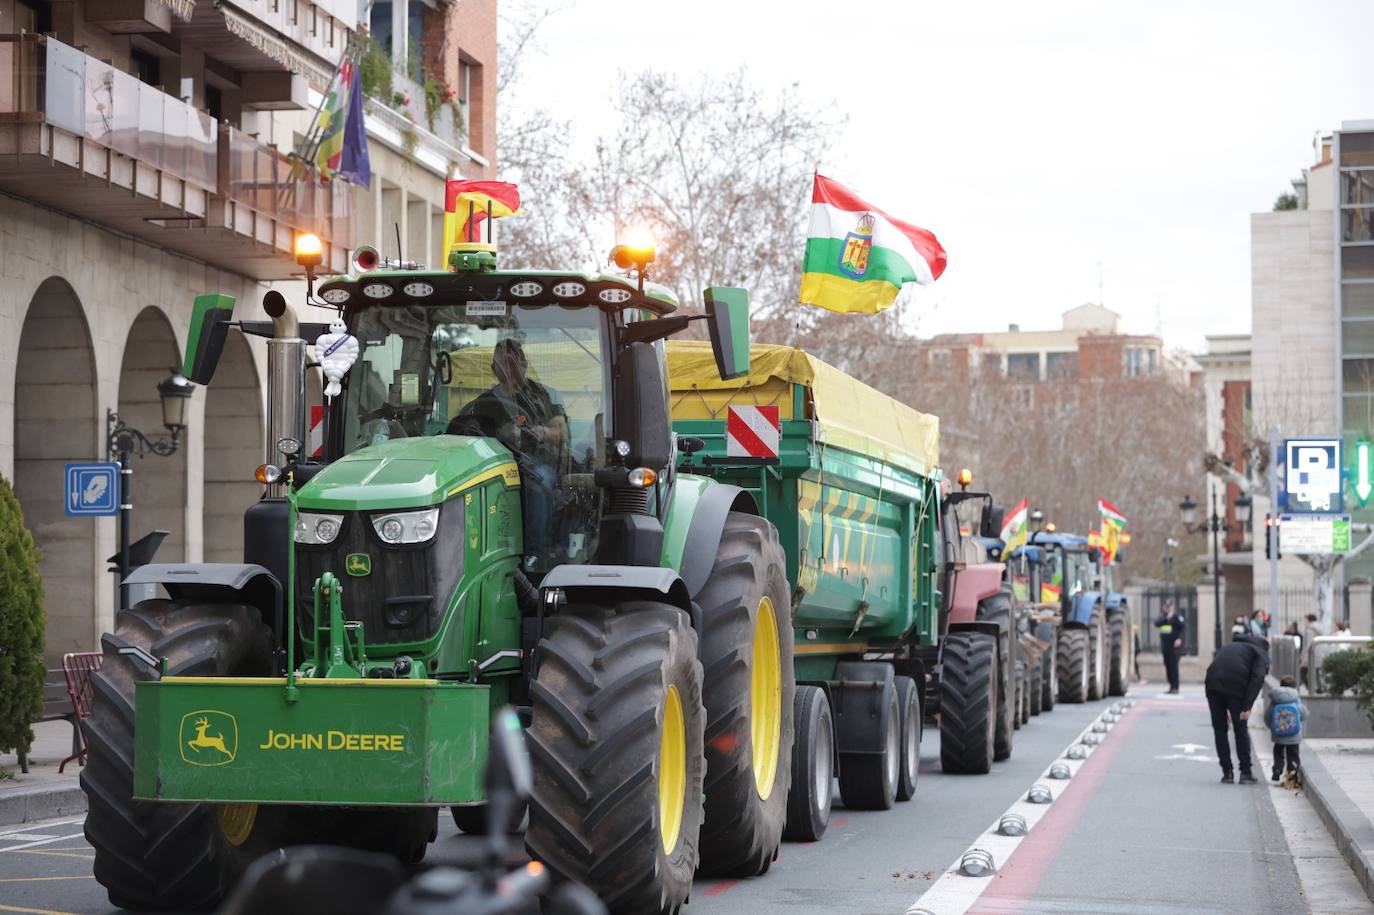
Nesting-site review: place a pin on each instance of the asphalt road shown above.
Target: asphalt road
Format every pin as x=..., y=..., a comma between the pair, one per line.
x=1143, y=826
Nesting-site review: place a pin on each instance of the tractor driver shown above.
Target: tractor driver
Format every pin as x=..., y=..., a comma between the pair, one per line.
x=528, y=418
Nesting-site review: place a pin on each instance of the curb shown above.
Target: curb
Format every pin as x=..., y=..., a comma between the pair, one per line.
x=40, y=802
x=1348, y=825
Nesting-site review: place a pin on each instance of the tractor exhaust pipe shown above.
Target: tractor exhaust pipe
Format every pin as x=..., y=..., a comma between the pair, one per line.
x=286, y=418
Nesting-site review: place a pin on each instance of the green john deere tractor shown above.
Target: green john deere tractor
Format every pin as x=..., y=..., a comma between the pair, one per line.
x=495, y=518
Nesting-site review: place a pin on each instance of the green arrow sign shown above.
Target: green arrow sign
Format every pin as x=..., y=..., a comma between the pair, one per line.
x=1362, y=471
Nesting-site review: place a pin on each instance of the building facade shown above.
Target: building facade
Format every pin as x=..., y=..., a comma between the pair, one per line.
x=145, y=158
x=1088, y=344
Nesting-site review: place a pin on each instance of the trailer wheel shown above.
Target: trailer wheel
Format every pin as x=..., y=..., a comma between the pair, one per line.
x=968, y=702
x=615, y=739
x=813, y=767
x=1035, y=690
x=179, y=857
x=1049, y=680
x=1097, y=656
x=1116, y=677
x=1019, y=679
x=1073, y=665
x=746, y=653
x=868, y=781
x=909, y=711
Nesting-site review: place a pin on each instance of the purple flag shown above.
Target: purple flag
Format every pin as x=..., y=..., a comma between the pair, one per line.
x=354, y=164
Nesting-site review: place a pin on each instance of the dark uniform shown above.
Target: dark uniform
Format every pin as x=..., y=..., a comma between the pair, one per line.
x=1171, y=628
x=1234, y=680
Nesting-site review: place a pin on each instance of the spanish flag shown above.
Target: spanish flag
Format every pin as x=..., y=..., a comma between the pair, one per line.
x=476, y=199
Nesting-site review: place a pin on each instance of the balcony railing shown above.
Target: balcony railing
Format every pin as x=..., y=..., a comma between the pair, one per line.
x=227, y=178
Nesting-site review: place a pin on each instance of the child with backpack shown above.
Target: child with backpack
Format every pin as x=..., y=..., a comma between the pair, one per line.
x=1285, y=717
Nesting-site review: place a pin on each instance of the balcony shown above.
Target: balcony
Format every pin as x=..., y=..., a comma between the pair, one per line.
x=81, y=136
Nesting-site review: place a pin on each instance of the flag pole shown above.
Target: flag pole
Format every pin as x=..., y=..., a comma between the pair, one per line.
x=467, y=229
x=488, y=220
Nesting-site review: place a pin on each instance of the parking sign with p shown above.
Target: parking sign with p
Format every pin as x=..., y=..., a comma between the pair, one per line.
x=1312, y=475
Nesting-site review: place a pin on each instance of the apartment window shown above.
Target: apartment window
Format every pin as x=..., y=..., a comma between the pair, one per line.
x=214, y=102
x=145, y=66
x=1061, y=365
x=380, y=26
x=1023, y=366
x=314, y=20
x=1139, y=361
x=295, y=12
x=415, y=48
x=329, y=31
x=465, y=93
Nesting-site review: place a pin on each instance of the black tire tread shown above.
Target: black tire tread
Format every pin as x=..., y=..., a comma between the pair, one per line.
x=158, y=856
x=1072, y=659
x=967, y=700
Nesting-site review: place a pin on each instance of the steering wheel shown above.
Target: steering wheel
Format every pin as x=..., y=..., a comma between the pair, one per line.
x=402, y=415
x=472, y=423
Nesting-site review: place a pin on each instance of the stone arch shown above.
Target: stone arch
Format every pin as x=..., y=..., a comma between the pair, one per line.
x=233, y=449
x=55, y=422
x=159, y=483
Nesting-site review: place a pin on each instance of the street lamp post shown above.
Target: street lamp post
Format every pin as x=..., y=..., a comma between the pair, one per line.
x=122, y=442
x=1216, y=524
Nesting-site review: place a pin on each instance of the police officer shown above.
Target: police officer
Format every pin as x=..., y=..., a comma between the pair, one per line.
x=1172, y=628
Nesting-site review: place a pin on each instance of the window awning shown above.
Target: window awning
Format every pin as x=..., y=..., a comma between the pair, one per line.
x=182, y=9
x=270, y=44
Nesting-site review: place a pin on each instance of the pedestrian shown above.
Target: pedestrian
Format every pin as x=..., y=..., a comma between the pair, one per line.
x=1310, y=631
x=1257, y=625
x=1342, y=628
x=1285, y=715
x=1172, y=628
x=1233, y=683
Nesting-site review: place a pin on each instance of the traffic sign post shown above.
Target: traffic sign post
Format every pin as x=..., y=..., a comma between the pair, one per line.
x=92, y=490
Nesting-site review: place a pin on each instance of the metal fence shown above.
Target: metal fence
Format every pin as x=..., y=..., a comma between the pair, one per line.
x=1151, y=604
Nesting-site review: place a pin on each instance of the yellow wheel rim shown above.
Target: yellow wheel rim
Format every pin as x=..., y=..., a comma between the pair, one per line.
x=236, y=821
x=672, y=770
x=765, y=695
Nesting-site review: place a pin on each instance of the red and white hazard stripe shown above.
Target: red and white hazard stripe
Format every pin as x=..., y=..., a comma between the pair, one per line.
x=753, y=432
x=316, y=448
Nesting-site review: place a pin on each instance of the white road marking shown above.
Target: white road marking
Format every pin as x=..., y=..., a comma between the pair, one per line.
x=45, y=824
x=23, y=836
x=1189, y=747
x=1191, y=756
x=75, y=835
x=954, y=894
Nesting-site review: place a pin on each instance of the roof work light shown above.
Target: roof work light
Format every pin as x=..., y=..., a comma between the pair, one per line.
x=965, y=478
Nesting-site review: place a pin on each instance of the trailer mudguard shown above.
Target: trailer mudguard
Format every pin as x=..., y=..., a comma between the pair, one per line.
x=856, y=695
x=972, y=585
x=694, y=522
x=606, y=584
x=218, y=582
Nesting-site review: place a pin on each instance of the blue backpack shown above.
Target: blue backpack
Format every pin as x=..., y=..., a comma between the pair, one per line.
x=1287, y=719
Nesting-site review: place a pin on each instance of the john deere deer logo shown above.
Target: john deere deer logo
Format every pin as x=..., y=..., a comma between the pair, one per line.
x=358, y=564
x=209, y=738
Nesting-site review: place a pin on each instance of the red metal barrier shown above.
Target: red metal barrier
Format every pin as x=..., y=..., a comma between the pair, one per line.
x=78, y=666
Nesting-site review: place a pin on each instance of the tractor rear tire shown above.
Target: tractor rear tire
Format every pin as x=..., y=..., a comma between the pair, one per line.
x=615, y=739
x=1116, y=640
x=909, y=712
x=164, y=856
x=968, y=702
x=746, y=656
x=868, y=781
x=1072, y=654
x=1036, y=690
x=1097, y=656
x=813, y=767
x=1049, y=681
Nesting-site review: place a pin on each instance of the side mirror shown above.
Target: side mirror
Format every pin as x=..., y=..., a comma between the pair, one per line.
x=727, y=317
x=210, y=317
x=991, y=525
x=641, y=407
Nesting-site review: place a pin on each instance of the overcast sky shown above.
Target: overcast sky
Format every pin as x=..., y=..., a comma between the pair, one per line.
x=1037, y=140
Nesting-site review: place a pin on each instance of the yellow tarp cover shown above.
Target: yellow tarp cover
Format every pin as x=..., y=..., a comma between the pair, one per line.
x=848, y=413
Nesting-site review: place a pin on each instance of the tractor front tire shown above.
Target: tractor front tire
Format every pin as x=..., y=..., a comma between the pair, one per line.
x=1049, y=680
x=615, y=739
x=1116, y=640
x=1073, y=665
x=968, y=702
x=1097, y=656
x=164, y=856
x=749, y=693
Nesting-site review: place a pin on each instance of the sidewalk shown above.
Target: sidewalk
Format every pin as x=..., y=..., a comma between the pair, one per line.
x=1339, y=777
x=42, y=793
